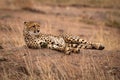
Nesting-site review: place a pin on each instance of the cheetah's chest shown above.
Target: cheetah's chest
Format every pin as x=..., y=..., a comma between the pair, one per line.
x=55, y=42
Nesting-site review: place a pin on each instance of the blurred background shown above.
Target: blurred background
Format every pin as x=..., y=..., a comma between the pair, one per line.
x=94, y=20
x=15, y=4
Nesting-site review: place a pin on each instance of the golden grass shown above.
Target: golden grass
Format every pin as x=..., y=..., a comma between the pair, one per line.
x=64, y=68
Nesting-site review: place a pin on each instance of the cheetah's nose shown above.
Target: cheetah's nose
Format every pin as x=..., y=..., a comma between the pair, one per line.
x=34, y=31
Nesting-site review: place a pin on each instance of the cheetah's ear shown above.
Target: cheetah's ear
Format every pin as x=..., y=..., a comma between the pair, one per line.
x=25, y=23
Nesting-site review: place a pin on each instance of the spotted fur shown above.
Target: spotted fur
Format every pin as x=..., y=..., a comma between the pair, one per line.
x=64, y=43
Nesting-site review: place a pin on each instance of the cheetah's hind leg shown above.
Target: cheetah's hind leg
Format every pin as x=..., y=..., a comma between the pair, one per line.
x=83, y=43
x=71, y=48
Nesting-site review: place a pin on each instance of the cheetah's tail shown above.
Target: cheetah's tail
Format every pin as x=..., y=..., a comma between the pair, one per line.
x=97, y=46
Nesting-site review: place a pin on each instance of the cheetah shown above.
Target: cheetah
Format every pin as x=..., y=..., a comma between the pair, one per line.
x=64, y=43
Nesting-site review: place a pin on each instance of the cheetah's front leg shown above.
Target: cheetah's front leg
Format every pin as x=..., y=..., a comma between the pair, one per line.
x=67, y=49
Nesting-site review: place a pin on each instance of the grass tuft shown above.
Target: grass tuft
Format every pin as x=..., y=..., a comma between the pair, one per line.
x=5, y=27
x=113, y=23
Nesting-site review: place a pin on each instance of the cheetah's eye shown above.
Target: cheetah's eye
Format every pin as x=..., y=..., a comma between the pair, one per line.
x=33, y=26
x=38, y=31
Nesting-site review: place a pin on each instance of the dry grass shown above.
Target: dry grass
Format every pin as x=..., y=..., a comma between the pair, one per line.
x=113, y=19
x=50, y=65
x=88, y=65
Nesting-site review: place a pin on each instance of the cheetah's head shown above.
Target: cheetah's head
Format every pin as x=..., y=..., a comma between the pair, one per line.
x=32, y=27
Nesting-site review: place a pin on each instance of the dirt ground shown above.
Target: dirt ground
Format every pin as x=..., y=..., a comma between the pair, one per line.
x=17, y=62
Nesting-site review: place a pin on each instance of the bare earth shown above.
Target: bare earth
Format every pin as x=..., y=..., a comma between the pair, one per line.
x=17, y=62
